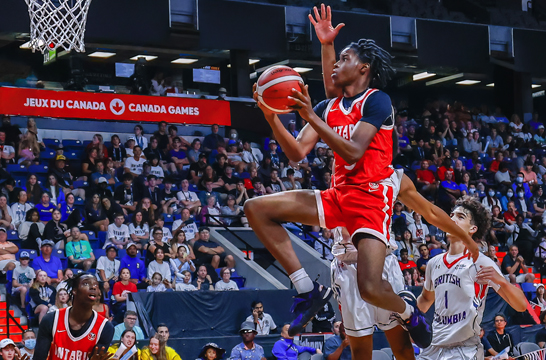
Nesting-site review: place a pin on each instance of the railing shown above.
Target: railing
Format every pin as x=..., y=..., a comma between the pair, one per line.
x=10, y=317
x=248, y=247
x=316, y=239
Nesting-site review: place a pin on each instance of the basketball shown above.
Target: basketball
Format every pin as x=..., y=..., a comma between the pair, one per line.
x=274, y=87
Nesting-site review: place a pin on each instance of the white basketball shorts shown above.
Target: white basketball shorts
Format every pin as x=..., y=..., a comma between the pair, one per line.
x=359, y=317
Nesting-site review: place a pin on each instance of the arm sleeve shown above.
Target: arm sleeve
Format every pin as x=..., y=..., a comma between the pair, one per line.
x=320, y=108
x=45, y=337
x=377, y=109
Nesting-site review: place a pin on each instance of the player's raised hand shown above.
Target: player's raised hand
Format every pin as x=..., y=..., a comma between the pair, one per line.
x=100, y=354
x=322, y=22
x=302, y=103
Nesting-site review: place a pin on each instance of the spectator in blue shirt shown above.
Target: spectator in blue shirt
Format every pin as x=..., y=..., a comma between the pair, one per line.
x=523, y=204
x=285, y=349
x=423, y=260
x=247, y=349
x=519, y=183
x=50, y=264
x=178, y=156
x=337, y=347
x=45, y=208
x=449, y=191
x=213, y=140
x=135, y=265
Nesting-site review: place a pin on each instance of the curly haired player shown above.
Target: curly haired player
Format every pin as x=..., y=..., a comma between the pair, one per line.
x=458, y=287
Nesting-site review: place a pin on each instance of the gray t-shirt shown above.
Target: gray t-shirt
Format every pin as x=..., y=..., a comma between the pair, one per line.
x=23, y=275
x=223, y=286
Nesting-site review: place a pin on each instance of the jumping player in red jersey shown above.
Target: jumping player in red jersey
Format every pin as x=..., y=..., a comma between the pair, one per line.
x=358, y=126
x=76, y=332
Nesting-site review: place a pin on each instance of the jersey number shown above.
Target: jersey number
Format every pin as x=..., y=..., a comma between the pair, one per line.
x=445, y=296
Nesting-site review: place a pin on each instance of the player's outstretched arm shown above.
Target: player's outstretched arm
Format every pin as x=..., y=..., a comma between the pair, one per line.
x=294, y=149
x=433, y=214
x=511, y=294
x=425, y=300
x=350, y=150
x=326, y=34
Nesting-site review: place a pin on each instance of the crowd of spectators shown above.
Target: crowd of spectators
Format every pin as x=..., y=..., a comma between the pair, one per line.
x=452, y=152
x=127, y=191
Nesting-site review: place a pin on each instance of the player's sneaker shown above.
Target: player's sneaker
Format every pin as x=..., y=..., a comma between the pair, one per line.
x=420, y=331
x=307, y=305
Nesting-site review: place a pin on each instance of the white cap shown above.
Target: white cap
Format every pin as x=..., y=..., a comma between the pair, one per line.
x=102, y=179
x=6, y=342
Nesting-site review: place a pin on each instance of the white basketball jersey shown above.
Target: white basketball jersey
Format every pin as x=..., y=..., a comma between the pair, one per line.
x=459, y=299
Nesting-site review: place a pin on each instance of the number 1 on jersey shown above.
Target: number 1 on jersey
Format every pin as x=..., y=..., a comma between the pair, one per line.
x=445, y=296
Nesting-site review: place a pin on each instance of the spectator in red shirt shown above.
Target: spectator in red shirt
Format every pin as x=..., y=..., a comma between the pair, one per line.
x=510, y=214
x=404, y=262
x=499, y=157
x=445, y=167
x=426, y=181
x=120, y=290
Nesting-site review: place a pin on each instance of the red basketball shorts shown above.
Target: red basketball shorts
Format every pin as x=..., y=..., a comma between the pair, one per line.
x=365, y=208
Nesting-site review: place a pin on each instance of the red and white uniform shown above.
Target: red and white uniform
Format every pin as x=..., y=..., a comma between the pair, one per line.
x=459, y=304
x=67, y=347
x=361, y=196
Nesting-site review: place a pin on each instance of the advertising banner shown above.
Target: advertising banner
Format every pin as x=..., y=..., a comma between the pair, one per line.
x=101, y=106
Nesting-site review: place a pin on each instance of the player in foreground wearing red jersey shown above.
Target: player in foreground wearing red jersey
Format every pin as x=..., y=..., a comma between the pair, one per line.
x=76, y=332
x=358, y=126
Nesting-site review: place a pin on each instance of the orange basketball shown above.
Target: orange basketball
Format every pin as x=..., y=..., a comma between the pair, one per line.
x=275, y=85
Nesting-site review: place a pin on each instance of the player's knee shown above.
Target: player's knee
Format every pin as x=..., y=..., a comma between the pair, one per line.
x=368, y=292
x=251, y=207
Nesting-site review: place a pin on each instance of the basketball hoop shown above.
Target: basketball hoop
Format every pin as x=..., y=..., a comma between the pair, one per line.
x=57, y=24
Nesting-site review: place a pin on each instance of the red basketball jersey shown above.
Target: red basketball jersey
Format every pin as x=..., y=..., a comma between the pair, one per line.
x=67, y=347
x=376, y=163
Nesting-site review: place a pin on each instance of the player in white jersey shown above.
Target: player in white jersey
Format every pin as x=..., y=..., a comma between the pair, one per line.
x=359, y=317
x=458, y=286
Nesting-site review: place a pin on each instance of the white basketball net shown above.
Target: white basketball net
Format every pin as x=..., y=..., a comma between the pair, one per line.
x=57, y=24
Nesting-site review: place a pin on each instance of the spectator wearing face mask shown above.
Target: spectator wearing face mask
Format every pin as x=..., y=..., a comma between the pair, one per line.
x=520, y=183
x=506, y=199
x=490, y=199
x=29, y=341
x=523, y=203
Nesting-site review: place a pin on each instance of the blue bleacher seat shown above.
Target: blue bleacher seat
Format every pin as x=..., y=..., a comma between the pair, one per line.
x=51, y=143
x=38, y=169
x=90, y=234
x=71, y=155
x=168, y=219
x=102, y=238
x=13, y=235
x=528, y=288
x=435, y=252
x=14, y=169
x=121, y=253
x=99, y=252
x=59, y=253
x=72, y=144
x=80, y=184
x=47, y=154
x=78, y=201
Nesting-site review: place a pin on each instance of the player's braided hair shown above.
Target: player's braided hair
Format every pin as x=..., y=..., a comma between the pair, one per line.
x=480, y=216
x=378, y=58
x=74, y=282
